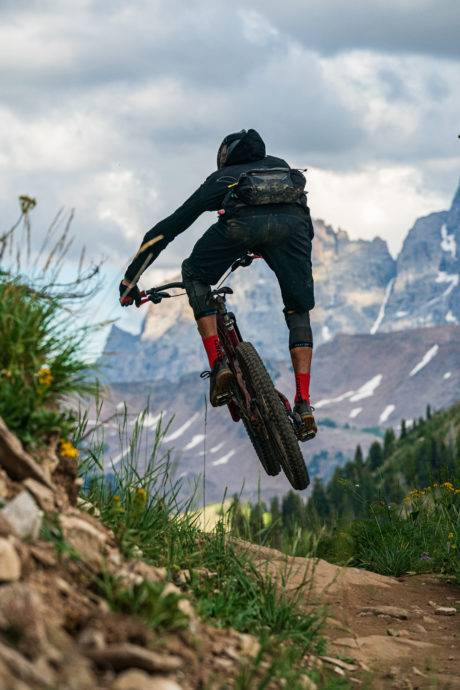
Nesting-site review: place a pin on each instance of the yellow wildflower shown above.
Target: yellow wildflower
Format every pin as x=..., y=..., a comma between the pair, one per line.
x=141, y=495
x=453, y=546
x=449, y=486
x=451, y=535
x=117, y=504
x=68, y=450
x=45, y=376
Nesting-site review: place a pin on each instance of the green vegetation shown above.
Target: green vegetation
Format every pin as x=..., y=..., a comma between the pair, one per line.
x=148, y=600
x=396, y=510
x=148, y=518
x=40, y=363
x=41, y=359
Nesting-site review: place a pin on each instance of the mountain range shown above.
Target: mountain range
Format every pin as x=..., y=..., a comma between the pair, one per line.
x=359, y=288
x=388, y=344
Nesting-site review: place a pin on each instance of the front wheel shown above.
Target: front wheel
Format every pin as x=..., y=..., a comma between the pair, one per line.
x=277, y=431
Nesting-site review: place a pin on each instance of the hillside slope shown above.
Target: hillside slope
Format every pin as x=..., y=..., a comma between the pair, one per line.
x=360, y=383
x=78, y=613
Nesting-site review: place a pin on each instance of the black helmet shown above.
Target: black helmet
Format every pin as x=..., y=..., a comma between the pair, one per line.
x=227, y=146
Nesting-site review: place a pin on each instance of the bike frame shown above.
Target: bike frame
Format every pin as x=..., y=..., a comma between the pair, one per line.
x=240, y=403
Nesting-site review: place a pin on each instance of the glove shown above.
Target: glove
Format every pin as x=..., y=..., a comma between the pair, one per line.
x=129, y=295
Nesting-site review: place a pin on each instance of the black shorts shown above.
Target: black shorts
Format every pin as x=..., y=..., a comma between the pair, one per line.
x=284, y=241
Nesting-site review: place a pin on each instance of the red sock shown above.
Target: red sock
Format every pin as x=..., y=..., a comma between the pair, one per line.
x=213, y=348
x=302, y=385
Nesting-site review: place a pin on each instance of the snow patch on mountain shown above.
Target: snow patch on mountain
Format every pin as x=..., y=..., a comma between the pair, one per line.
x=182, y=429
x=332, y=401
x=451, y=278
x=217, y=448
x=427, y=357
x=196, y=440
x=355, y=412
x=381, y=315
x=447, y=375
x=224, y=459
x=367, y=389
x=386, y=413
x=448, y=243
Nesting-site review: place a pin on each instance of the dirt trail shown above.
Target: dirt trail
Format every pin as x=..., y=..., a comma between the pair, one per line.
x=410, y=645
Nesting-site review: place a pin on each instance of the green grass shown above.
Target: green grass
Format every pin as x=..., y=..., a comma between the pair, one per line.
x=147, y=600
x=145, y=512
x=422, y=534
x=40, y=364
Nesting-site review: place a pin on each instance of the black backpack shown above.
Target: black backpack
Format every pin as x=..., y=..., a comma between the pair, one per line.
x=269, y=186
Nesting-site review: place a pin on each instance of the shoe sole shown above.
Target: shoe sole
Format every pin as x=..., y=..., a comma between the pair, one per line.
x=222, y=389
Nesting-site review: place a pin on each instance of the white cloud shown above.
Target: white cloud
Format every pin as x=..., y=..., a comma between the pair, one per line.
x=372, y=201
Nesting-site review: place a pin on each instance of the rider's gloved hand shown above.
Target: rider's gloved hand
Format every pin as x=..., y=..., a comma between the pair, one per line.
x=129, y=294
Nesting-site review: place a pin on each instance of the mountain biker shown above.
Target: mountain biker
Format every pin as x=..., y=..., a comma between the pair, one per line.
x=280, y=232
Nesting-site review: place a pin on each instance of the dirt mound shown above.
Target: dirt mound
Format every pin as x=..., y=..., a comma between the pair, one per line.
x=403, y=632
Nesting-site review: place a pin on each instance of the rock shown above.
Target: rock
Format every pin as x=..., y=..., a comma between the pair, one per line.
x=22, y=608
x=307, y=683
x=149, y=572
x=250, y=645
x=15, y=460
x=186, y=607
x=398, y=633
x=24, y=516
x=428, y=619
x=417, y=672
x=45, y=554
x=85, y=538
x=5, y=527
x=419, y=628
x=22, y=668
x=332, y=661
x=41, y=493
x=4, y=481
x=93, y=638
x=88, y=507
x=392, y=611
x=10, y=564
x=139, y=680
x=445, y=611
x=122, y=656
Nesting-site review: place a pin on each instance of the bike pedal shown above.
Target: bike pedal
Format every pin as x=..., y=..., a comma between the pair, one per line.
x=223, y=399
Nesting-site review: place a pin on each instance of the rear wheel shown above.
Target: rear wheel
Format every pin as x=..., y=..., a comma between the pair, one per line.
x=276, y=433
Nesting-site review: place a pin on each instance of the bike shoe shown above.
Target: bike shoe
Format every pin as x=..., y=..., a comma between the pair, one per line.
x=220, y=383
x=305, y=412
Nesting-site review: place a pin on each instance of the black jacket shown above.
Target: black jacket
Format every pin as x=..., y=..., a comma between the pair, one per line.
x=249, y=153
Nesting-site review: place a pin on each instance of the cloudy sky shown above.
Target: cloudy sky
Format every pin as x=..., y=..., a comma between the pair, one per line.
x=116, y=108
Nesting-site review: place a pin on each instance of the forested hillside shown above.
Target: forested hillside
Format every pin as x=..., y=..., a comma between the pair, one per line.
x=395, y=510
x=425, y=454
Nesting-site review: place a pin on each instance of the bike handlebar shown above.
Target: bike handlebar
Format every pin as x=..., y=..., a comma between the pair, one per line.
x=156, y=294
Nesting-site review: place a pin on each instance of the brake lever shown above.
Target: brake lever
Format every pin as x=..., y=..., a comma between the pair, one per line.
x=154, y=297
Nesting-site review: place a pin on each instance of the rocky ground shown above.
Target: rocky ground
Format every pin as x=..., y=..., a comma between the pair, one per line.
x=393, y=632
x=57, y=631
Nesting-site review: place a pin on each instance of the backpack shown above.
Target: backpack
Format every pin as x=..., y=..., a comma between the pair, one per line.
x=269, y=186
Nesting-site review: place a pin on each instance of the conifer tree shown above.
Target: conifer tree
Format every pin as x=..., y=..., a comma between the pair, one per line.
x=375, y=457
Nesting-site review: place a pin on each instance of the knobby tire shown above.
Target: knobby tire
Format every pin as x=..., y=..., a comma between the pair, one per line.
x=284, y=444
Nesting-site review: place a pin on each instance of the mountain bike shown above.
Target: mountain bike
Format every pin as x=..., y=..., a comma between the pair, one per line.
x=273, y=428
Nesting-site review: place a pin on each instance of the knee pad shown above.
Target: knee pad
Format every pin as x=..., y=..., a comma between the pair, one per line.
x=300, y=333
x=197, y=292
